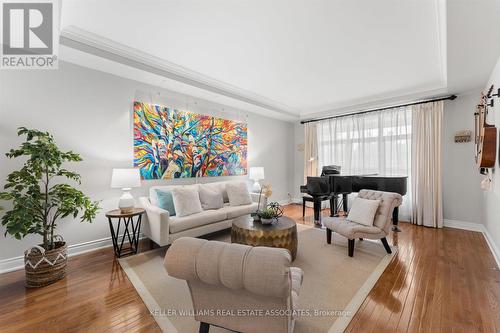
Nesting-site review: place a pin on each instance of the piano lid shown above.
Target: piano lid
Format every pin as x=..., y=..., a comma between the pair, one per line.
x=375, y=175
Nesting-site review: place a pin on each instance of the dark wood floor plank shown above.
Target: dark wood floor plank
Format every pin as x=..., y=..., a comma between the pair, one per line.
x=440, y=280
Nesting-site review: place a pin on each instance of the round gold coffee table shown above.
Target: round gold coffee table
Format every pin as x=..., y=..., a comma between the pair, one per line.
x=281, y=234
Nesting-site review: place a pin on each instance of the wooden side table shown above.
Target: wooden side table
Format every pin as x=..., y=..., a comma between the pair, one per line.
x=281, y=234
x=132, y=230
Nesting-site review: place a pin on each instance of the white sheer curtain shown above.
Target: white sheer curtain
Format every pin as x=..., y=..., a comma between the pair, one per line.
x=370, y=143
x=426, y=189
x=310, y=150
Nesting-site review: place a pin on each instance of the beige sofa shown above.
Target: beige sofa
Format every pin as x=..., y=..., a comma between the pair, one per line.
x=163, y=229
x=238, y=287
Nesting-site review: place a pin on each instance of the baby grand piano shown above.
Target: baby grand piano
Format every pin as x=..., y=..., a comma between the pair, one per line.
x=332, y=184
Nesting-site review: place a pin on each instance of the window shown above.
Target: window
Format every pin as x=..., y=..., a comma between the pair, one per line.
x=369, y=143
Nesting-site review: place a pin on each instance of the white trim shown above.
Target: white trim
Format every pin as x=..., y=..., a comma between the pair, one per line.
x=85, y=41
x=284, y=202
x=493, y=247
x=463, y=225
x=17, y=263
x=495, y=251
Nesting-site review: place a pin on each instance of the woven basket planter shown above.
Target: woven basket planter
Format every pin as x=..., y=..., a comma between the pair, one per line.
x=45, y=267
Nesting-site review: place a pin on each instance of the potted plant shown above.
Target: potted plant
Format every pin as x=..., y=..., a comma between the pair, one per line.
x=267, y=216
x=265, y=190
x=39, y=200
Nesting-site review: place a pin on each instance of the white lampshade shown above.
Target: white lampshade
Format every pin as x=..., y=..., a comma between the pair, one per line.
x=256, y=173
x=125, y=178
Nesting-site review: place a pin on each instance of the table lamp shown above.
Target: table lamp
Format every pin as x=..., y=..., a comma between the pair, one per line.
x=256, y=174
x=126, y=179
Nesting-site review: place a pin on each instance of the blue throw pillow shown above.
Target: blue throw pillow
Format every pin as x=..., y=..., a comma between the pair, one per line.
x=166, y=201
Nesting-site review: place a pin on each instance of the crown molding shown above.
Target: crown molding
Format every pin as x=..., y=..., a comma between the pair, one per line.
x=97, y=45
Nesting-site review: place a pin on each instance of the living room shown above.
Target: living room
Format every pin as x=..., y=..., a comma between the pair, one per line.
x=185, y=166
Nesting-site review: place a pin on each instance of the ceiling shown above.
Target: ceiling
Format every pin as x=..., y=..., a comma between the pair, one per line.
x=289, y=58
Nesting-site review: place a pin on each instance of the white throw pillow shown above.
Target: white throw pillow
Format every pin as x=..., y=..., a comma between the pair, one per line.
x=218, y=186
x=186, y=201
x=363, y=211
x=238, y=194
x=210, y=198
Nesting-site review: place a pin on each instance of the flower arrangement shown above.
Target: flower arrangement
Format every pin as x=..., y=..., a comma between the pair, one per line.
x=265, y=190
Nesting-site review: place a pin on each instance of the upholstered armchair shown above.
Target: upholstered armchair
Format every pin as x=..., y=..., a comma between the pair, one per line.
x=381, y=224
x=238, y=287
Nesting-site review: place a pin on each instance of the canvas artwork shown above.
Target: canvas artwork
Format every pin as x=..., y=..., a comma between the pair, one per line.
x=171, y=143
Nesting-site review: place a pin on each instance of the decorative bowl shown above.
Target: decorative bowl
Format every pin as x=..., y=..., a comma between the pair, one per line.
x=266, y=221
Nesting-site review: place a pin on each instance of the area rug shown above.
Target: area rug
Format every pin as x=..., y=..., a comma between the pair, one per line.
x=335, y=285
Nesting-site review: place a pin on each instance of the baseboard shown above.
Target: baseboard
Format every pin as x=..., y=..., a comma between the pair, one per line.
x=16, y=263
x=463, y=225
x=493, y=247
x=284, y=202
x=479, y=228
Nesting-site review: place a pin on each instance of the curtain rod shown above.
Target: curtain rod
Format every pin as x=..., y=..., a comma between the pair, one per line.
x=434, y=99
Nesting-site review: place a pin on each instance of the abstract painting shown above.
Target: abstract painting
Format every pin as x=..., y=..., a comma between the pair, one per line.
x=171, y=143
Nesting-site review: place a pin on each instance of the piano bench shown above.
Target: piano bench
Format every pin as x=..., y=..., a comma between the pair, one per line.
x=317, y=200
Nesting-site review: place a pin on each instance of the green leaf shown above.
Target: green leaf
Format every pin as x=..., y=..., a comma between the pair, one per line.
x=37, y=203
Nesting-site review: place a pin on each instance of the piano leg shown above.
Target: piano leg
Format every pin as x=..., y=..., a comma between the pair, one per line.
x=395, y=220
x=303, y=207
x=317, y=211
x=344, y=203
x=334, y=200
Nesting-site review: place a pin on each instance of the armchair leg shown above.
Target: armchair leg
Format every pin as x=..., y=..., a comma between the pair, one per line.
x=351, y=247
x=204, y=327
x=328, y=236
x=386, y=245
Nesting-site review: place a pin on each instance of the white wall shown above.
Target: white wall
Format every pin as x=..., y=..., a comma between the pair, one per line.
x=491, y=199
x=90, y=112
x=462, y=197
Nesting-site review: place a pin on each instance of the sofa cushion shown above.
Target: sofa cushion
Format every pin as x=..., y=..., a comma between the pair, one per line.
x=237, y=211
x=363, y=211
x=178, y=224
x=166, y=201
x=352, y=230
x=152, y=191
x=238, y=194
x=218, y=186
x=210, y=197
x=186, y=201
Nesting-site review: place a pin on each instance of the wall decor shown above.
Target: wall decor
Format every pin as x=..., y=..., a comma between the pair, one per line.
x=485, y=136
x=171, y=143
x=463, y=136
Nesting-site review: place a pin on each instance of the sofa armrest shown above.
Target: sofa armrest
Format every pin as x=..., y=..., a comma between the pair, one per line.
x=157, y=225
x=263, y=200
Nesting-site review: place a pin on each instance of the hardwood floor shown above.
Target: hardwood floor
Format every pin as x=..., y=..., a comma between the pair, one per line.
x=440, y=281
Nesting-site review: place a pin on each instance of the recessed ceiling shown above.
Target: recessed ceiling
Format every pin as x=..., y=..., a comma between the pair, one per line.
x=305, y=56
